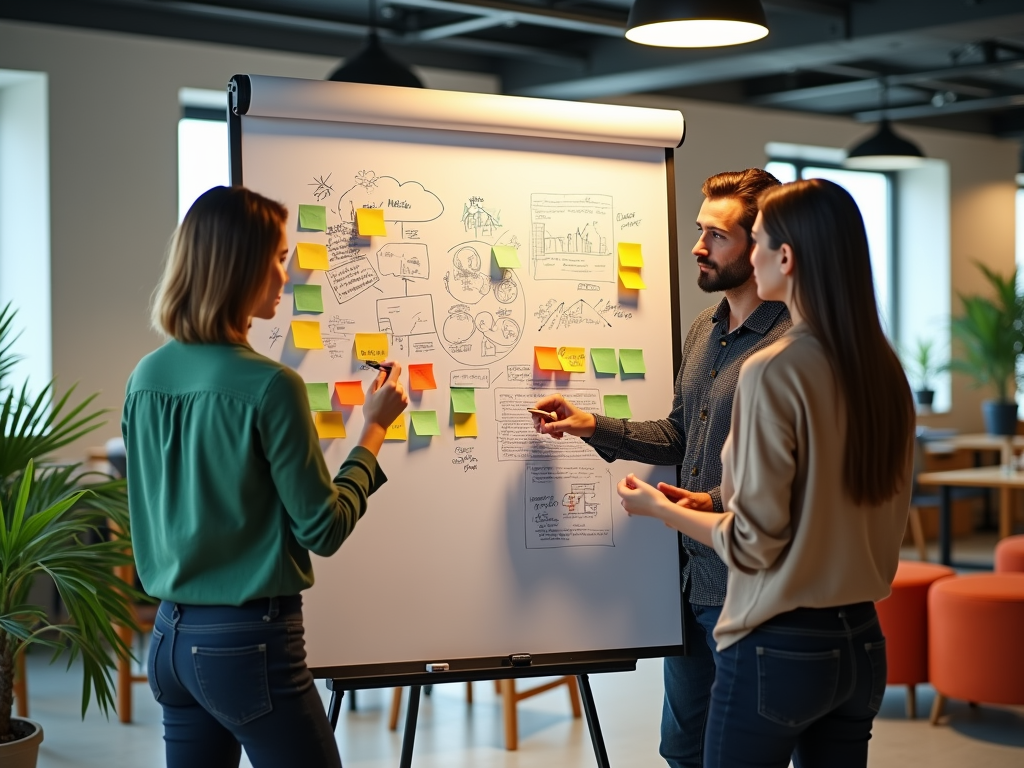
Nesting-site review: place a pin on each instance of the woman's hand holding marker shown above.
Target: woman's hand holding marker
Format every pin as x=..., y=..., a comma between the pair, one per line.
x=384, y=403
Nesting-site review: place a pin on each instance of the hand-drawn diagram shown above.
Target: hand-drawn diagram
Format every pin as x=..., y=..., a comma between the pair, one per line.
x=405, y=316
x=402, y=201
x=323, y=188
x=517, y=440
x=478, y=218
x=568, y=505
x=560, y=316
x=486, y=322
x=351, y=277
x=571, y=237
x=405, y=260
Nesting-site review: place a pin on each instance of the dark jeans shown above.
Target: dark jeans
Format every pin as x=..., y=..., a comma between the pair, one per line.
x=806, y=684
x=688, y=682
x=233, y=677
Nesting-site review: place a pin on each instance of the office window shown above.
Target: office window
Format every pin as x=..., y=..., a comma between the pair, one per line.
x=202, y=154
x=873, y=194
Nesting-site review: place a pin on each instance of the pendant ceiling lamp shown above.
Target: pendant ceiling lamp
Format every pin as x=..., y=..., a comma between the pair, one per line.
x=696, y=23
x=884, y=150
x=374, y=65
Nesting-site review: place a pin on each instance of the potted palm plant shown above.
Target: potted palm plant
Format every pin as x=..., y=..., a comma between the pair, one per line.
x=990, y=333
x=54, y=525
x=922, y=365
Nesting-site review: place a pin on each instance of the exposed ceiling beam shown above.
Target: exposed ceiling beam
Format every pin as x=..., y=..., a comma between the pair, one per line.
x=954, y=107
x=539, y=17
x=460, y=27
x=805, y=6
x=349, y=30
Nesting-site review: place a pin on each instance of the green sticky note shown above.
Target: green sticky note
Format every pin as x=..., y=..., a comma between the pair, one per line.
x=308, y=298
x=319, y=396
x=463, y=400
x=604, y=360
x=632, y=361
x=313, y=217
x=425, y=422
x=617, y=407
x=505, y=256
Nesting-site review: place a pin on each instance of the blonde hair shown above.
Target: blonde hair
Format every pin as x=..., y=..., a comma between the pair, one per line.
x=217, y=266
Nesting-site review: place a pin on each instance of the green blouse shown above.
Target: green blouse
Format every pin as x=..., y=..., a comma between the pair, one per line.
x=227, y=485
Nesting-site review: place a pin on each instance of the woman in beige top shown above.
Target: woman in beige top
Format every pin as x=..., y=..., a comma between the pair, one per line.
x=816, y=485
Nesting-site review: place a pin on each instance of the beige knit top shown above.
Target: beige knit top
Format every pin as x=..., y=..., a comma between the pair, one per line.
x=791, y=535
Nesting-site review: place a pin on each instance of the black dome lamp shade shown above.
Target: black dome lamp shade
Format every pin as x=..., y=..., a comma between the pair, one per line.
x=374, y=65
x=696, y=23
x=884, y=150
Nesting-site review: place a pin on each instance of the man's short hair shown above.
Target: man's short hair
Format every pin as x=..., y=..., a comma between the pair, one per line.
x=745, y=186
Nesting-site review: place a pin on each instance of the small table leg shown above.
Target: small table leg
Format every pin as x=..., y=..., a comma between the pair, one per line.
x=946, y=525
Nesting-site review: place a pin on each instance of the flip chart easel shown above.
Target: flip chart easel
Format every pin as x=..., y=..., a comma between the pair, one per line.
x=528, y=247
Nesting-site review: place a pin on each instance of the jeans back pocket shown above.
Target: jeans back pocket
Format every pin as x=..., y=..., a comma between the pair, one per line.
x=152, y=663
x=879, y=672
x=796, y=688
x=233, y=682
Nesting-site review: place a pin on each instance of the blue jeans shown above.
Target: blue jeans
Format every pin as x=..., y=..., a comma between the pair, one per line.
x=806, y=684
x=688, y=682
x=232, y=677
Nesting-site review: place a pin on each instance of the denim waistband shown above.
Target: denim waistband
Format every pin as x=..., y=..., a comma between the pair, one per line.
x=838, y=619
x=259, y=609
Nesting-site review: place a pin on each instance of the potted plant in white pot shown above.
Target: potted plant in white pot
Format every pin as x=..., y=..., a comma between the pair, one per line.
x=922, y=365
x=990, y=333
x=54, y=525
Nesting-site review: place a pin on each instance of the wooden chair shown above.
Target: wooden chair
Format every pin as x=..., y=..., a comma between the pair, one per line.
x=510, y=698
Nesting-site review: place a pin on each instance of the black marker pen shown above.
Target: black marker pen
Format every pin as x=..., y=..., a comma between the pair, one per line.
x=378, y=366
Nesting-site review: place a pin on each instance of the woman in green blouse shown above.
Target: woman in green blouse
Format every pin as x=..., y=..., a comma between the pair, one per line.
x=229, y=493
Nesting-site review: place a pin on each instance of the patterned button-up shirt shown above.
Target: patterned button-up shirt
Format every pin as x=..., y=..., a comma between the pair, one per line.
x=693, y=434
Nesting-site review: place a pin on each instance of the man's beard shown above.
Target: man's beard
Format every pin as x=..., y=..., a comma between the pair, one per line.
x=724, y=278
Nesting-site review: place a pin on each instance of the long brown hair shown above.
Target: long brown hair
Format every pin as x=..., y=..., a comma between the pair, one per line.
x=218, y=264
x=834, y=292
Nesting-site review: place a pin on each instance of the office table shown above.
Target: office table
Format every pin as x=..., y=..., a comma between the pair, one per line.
x=1003, y=478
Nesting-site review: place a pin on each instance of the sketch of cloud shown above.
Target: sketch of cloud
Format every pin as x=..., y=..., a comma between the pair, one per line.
x=401, y=201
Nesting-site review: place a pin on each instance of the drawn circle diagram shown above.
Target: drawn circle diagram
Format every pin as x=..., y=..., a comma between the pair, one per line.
x=485, y=323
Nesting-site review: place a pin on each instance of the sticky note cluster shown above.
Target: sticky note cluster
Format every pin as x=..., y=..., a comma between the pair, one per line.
x=631, y=260
x=574, y=360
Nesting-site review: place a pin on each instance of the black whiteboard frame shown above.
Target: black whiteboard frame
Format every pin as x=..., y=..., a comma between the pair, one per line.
x=413, y=672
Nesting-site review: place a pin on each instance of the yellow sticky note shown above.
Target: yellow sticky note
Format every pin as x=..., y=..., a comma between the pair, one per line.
x=631, y=279
x=372, y=346
x=573, y=359
x=306, y=334
x=312, y=256
x=397, y=430
x=630, y=255
x=465, y=425
x=329, y=424
x=350, y=392
x=370, y=221
x=547, y=358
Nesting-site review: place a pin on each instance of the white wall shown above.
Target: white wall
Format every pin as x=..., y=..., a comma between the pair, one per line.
x=25, y=222
x=113, y=103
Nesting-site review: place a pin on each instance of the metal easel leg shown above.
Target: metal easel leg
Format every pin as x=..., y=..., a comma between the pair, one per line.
x=590, y=709
x=409, y=736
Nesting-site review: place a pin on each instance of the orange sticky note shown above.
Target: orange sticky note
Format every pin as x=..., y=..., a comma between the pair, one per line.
x=370, y=221
x=312, y=256
x=465, y=425
x=630, y=255
x=397, y=430
x=306, y=334
x=631, y=279
x=547, y=358
x=573, y=359
x=421, y=376
x=350, y=392
x=372, y=346
x=329, y=424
